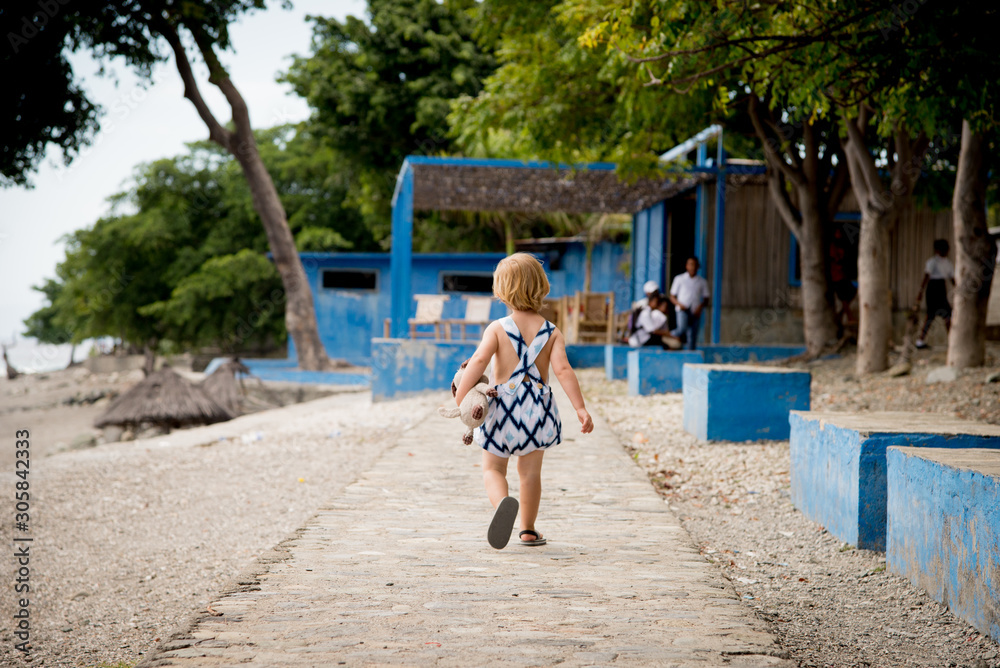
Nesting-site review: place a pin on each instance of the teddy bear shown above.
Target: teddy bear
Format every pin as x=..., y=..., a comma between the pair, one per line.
x=474, y=406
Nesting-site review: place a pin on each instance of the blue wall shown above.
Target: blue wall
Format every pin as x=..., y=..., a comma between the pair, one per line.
x=401, y=367
x=944, y=528
x=349, y=319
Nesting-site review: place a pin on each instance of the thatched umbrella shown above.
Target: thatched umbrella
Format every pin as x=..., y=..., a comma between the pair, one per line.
x=163, y=398
x=224, y=388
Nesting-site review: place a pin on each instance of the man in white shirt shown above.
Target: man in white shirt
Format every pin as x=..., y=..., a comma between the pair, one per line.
x=689, y=295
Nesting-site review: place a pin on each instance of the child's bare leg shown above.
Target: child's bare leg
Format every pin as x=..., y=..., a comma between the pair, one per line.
x=495, y=477
x=529, y=470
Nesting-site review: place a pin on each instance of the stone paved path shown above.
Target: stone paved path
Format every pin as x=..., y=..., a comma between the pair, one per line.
x=397, y=571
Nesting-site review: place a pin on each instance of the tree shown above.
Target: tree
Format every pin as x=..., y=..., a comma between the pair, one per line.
x=823, y=58
x=976, y=252
x=381, y=91
x=808, y=164
x=880, y=209
x=186, y=266
x=925, y=70
x=711, y=51
x=46, y=324
x=135, y=30
x=553, y=99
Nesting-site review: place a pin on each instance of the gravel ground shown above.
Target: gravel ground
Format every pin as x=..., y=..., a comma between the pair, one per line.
x=835, y=387
x=131, y=538
x=830, y=605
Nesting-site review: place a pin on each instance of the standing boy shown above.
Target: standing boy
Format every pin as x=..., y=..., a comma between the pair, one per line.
x=937, y=272
x=689, y=295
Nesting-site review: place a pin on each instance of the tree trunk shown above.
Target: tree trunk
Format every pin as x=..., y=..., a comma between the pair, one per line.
x=819, y=188
x=975, y=255
x=874, y=301
x=880, y=207
x=12, y=373
x=300, y=314
x=819, y=323
x=588, y=264
x=72, y=353
x=149, y=360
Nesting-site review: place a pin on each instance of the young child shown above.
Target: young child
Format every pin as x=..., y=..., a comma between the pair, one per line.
x=937, y=273
x=523, y=419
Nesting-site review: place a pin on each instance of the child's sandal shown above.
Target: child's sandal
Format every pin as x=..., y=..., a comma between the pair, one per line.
x=537, y=541
x=502, y=523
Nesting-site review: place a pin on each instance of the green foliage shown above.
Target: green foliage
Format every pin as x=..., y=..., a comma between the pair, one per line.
x=47, y=324
x=381, y=90
x=229, y=301
x=43, y=103
x=552, y=98
x=181, y=259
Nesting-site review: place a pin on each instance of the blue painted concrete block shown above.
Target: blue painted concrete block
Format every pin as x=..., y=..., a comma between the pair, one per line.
x=742, y=403
x=585, y=355
x=616, y=362
x=943, y=528
x=735, y=353
x=838, y=466
x=656, y=371
x=402, y=367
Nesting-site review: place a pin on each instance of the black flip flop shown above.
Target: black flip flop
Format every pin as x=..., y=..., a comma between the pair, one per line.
x=502, y=523
x=538, y=540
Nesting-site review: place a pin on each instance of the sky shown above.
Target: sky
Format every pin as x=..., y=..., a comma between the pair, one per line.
x=143, y=121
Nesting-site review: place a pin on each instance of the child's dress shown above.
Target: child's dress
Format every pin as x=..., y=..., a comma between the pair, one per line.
x=522, y=417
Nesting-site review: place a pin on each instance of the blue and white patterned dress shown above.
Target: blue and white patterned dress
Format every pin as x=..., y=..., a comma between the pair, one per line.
x=522, y=417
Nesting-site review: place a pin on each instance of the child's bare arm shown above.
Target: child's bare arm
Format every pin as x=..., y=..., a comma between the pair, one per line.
x=567, y=378
x=478, y=362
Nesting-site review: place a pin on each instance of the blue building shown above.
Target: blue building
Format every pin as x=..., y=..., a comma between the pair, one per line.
x=352, y=296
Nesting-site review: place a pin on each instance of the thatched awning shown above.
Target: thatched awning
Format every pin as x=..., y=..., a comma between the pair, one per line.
x=481, y=186
x=224, y=388
x=163, y=398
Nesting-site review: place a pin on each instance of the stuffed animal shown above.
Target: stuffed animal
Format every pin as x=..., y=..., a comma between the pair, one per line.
x=474, y=406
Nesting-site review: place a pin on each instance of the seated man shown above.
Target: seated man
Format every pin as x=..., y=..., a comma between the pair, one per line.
x=650, y=326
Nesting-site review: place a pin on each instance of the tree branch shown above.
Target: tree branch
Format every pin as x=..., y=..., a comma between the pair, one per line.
x=774, y=159
x=782, y=201
x=860, y=161
x=790, y=41
x=218, y=75
x=810, y=166
x=839, y=184
x=216, y=132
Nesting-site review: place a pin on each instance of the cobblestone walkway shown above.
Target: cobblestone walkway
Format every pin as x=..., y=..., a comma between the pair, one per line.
x=397, y=571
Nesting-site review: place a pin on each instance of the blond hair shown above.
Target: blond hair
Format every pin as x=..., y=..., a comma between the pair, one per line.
x=520, y=282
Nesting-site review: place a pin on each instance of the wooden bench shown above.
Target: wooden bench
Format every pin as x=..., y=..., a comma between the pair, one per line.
x=736, y=402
